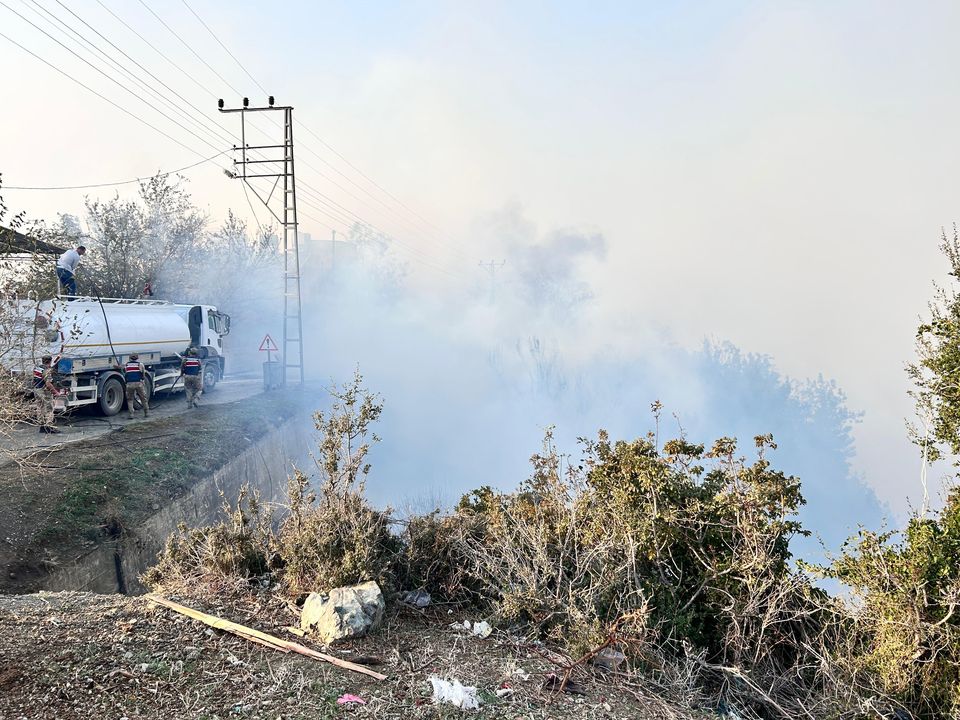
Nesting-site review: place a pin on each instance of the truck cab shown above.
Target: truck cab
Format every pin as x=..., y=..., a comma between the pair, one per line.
x=207, y=327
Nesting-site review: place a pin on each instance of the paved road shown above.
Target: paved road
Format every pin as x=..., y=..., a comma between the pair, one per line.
x=87, y=423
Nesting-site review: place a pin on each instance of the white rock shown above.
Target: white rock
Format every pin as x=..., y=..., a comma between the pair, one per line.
x=343, y=612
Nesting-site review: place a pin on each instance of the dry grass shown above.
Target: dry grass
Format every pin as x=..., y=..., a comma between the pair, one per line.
x=72, y=655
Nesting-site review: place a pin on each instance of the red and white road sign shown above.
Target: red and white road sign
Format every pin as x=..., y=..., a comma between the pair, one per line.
x=268, y=345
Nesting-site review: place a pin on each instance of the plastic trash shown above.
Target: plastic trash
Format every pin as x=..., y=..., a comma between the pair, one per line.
x=609, y=658
x=416, y=598
x=482, y=629
x=348, y=699
x=454, y=693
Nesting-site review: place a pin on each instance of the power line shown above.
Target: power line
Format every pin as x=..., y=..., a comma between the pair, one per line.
x=119, y=182
x=319, y=139
x=109, y=77
x=217, y=134
x=262, y=89
x=182, y=71
x=189, y=47
x=219, y=129
x=99, y=95
x=234, y=89
x=425, y=257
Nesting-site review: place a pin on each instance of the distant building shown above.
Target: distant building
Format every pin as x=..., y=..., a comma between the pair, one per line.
x=326, y=255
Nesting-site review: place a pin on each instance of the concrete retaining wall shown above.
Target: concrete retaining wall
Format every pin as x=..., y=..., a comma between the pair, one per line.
x=115, y=565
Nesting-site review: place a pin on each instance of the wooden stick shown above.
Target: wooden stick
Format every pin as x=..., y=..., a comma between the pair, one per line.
x=261, y=638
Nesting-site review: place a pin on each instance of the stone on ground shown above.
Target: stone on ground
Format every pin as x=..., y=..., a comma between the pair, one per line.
x=344, y=612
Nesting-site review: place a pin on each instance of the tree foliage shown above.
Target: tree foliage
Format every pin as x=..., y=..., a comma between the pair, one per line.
x=133, y=242
x=906, y=626
x=936, y=371
x=903, y=630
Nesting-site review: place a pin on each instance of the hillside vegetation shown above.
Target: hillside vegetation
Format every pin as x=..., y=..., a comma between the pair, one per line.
x=675, y=555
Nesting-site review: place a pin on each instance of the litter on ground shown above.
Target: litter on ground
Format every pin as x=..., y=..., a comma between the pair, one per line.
x=481, y=629
x=454, y=693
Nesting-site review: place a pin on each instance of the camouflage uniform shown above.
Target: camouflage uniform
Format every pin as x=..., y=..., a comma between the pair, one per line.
x=193, y=386
x=192, y=370
x=44, y=397
x=134, y=372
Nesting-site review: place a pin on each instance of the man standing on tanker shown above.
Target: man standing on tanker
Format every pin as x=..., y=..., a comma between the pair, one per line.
x=191, y=369
x=44, y=390
x=134, y=372
x=67, y=267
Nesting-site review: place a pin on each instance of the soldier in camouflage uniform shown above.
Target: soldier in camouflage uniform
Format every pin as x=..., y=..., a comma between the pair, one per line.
x=134, y=373
x=192, y=370
x=43, y=391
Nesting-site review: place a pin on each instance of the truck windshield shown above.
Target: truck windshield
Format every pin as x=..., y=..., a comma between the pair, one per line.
x=218, y=322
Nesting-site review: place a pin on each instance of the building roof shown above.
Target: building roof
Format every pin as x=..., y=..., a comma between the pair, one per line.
x=13, y=243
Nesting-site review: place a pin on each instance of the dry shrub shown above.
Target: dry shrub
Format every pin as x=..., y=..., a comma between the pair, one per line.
x=904, y=628
x=330, y=538
x=677, y=556
x=234, y=553
x=335, y=537
x=333, y=540
x=542, y=564
x=431, y=556
x=680, y=558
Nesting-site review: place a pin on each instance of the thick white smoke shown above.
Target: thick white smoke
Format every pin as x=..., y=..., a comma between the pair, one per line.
x=473, y=371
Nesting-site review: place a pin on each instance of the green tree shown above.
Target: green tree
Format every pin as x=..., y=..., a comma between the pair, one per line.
x=133, y=242
x=936, y=371
x=903, y=632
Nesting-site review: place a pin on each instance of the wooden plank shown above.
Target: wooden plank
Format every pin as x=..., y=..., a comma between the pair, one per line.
x=261, y=638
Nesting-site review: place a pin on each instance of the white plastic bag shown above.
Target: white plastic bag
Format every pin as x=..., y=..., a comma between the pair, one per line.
x=454, y=693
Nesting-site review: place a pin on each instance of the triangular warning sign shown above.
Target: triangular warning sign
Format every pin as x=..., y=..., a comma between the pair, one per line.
x=268, y=345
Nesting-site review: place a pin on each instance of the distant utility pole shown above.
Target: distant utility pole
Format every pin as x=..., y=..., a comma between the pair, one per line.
x=292, y=349
x=492, y=267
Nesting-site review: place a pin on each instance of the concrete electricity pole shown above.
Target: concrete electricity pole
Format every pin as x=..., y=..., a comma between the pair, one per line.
x=292, y=348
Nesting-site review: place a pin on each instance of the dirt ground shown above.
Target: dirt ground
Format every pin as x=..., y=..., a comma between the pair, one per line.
x=77, y=655
x=87, y=423
x=71, y=496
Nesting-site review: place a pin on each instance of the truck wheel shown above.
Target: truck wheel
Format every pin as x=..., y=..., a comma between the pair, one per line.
x=111, y=396
x=211, y=373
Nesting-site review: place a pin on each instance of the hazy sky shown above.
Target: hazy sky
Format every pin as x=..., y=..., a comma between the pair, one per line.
x=772, y=174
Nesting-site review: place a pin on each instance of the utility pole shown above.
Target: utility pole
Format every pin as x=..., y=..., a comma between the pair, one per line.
x=492, y=267
x=291, y=350
x=333, y=249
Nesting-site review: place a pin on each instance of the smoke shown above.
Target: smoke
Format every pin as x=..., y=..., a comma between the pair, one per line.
x=473, y=372
x=545, y=273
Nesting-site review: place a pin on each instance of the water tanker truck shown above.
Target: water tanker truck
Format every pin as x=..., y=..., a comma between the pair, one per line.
x=90, y=339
